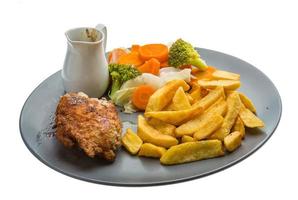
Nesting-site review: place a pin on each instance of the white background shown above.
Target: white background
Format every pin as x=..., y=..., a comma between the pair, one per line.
x=33, y=45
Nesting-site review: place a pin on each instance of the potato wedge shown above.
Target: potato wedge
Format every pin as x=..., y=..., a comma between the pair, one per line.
x=131, y=141
x=169, y=107
x=162, y=127
x=234, y=105
x=187, y=138
x=151, y=150
x=208, y=126
x=233, y=141
x=148, y=134
x=192, y=151
x=194, y=85
x=220, y=107
x=210, y=98
x=249, y=119
x=204, y=92
x=175, y=117
x=228, y=92
x=196, y=94
x=191, y=126
x=225, y=75
x=180, y=100
x=164, y=95
x=190, y=99
x=239, y=126
x=247, y=102
x=226, y=84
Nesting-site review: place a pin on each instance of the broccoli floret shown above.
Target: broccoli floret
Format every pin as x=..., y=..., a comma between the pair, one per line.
x=121, y=73
x=182, y=53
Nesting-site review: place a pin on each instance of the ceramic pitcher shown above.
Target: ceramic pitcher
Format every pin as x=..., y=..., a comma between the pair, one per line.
x=85, y=66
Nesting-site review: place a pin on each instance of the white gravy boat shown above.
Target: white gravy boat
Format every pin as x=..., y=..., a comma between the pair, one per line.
x=85, y=66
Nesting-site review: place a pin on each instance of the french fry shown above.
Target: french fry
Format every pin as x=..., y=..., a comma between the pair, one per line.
x=249, y=119
x=247, y=102
x=175, y=117
x=210, y=98
x=131, y=141
x=225, y=75
x=226, y=84
x=180, y=100
x=162, y=127
x=192, y=151
x=187, y=138
x=239, y=126
x=234, y=105
x=233, y=141
x=151, y=150
x=164, y=95
x=193, y=125
x=148, y=134
x=208, y=127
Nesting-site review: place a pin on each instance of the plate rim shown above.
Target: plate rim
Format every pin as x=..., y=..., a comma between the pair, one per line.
x=156, y=183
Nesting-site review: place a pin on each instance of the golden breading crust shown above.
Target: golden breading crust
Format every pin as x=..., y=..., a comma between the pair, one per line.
x=90, y=123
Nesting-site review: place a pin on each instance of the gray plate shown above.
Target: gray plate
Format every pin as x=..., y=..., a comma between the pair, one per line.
x=36, y=126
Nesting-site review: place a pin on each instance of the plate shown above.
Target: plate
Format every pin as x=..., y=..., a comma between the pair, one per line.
x=37, y=131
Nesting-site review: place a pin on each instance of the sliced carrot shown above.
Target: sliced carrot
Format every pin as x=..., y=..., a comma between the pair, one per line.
x=116, y=54
x=205, y=74
x=158, y=51
x=141, y=95
x=132, y=58
x=151, y=66
x=135, y=48
x=164, y=64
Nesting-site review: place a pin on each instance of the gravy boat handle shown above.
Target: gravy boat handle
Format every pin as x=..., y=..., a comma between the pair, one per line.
x=103, y=29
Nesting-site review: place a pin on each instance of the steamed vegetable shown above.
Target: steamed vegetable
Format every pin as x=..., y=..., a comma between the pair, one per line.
x=135, y=48
x=164, y=64
x=151, y=66
x=130, y=108
x=132, y=58
x=121, y=73
x=167, y=75
x=144, y=79
x=182, y=53
x=157, y=51
x=141, y=95
x=116, y=54
x=123, y=96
